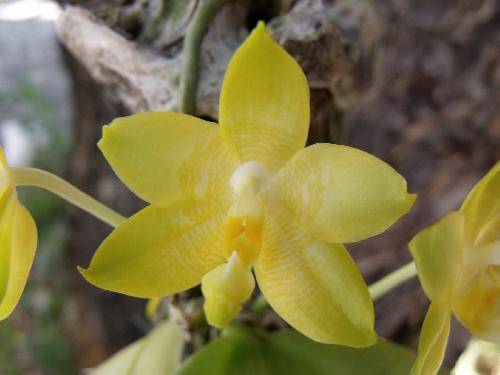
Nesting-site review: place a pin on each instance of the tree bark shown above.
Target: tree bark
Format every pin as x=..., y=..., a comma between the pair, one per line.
x=415, y=83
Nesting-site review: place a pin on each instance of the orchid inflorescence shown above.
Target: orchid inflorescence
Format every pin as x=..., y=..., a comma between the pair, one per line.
x=243, y=203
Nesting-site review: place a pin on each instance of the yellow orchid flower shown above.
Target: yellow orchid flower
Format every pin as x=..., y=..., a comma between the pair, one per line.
x=458, y=263
x=18, y=240
x=246, y=194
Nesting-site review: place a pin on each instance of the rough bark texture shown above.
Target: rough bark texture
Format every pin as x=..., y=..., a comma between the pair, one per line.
x=432, y=112
x=102, y=321
x=413, y=82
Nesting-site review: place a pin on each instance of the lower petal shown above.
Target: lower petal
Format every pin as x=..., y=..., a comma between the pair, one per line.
x=160, y=250
x=433, y=340
x=315, y=286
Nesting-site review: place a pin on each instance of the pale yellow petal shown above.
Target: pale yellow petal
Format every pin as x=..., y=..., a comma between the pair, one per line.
x=158, y=353
x=482, y=205
x=341, y=194
x=160, y=250
x=315, y=286
x=264, y=103
x=438, y=254
x=433, y=340
x=18, y=246
x=162, y=352
x=121, y=363
x=477, y=303
x=164, y=156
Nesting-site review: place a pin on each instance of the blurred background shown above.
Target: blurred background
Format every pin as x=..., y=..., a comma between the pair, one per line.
x=415, y=82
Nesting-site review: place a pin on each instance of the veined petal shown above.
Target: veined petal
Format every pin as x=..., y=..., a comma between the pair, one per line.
x=341, y=194
x=315, y=286
x=18, y=240
x=264, y=103
x=482, y=205
x=438, y=254
x=160, y=250
x=164, y=156
x=433, y=340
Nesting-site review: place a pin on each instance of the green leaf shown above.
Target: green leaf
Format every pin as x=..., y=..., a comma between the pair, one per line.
x=288, y=352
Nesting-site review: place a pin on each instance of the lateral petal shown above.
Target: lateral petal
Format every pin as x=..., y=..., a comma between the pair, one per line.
x=482, y=205
x=341, y=194
x=264, y=103
x=315, y=286
x=165, y=156
x=433, y=340
x=160, y=250
x=438, y=254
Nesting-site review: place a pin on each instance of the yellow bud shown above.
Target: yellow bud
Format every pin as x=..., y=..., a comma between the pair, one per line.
x=219, y=311
x=225, y=288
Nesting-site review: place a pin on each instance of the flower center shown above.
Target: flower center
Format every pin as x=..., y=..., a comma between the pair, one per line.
x=243, y=230
x=230, y=284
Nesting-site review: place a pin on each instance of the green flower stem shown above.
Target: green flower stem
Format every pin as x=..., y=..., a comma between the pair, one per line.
x=377, y=289
x=204, y=13
x=392, y=280
x=54, y=184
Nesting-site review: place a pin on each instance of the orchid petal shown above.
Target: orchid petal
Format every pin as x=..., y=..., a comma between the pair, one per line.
x=159, y=352
x=433, y=340
x=160, y=250
x=264, y=103
x=437, y=251
x=482, y=205
x=165, y=156
x=315, y=286
x=341, y=194
x=477, y=304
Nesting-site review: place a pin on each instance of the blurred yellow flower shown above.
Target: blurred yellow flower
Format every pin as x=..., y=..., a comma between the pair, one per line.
x=159, y=352
x=18, y=240
x=246, y=194
x=458, y=262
